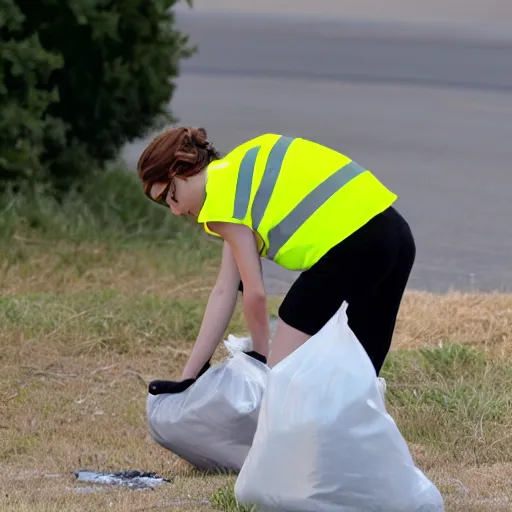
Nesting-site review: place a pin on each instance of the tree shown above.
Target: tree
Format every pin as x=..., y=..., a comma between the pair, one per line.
x=103, y=72
x=24, y=98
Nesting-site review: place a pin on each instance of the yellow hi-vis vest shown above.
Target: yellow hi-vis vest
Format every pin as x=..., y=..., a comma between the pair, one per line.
x=300, y=198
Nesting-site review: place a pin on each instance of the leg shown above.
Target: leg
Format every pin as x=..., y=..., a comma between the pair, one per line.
x=351, y=271
x=286, y=340
x=373, y=320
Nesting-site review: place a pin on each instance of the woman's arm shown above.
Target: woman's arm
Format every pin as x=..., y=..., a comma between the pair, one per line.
x=244, y=248
x=217, y=316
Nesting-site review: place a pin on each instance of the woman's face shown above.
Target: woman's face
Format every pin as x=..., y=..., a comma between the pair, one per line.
x=179, y=195
x=165, y=194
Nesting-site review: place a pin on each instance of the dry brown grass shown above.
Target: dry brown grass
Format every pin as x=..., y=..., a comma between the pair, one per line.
x=482, y=320
x=84, y=328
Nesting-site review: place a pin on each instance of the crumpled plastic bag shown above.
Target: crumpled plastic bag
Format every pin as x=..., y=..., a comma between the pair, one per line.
x=212, y=423
x=324, y=440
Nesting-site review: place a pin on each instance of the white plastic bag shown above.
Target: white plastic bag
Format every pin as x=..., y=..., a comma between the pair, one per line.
x=212, y=423
x=324, y=440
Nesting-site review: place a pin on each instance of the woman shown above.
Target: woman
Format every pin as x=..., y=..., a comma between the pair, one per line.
x=306, y=207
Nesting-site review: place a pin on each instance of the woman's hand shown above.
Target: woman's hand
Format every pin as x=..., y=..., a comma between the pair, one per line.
x=243, y=246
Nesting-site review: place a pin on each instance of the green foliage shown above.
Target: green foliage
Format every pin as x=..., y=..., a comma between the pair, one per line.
x=25, y=97
x=109, y=208
x=80, y=78
x=224, y=500
x=118, y=322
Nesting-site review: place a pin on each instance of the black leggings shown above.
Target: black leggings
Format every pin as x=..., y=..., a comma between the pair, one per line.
x=369, y=270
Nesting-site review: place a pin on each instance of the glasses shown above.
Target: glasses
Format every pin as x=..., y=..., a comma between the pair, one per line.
x=162, y=197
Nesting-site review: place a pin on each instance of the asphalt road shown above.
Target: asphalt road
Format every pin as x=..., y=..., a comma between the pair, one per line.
x=429, y=111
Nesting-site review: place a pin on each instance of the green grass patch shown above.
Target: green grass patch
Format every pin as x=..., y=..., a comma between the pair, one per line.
x=107, y=236
x=111, y=206
x=224, y=500
x=455, y=399
x=101, y=321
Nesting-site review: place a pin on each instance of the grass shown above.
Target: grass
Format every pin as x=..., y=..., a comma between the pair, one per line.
x=98, y=300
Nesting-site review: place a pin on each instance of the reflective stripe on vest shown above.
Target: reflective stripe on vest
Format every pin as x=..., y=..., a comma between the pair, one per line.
x=267, y=184
x=284, y=230
x=269, y=179
x=244, y=183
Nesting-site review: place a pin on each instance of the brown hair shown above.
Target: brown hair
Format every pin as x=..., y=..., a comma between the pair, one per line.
x=182, y=152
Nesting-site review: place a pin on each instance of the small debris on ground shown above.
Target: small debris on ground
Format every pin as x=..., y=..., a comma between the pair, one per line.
x=132, y=479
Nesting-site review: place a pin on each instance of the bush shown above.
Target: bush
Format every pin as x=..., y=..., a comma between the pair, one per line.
x=24, y=98
x=109, y=208
x=80, y=78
